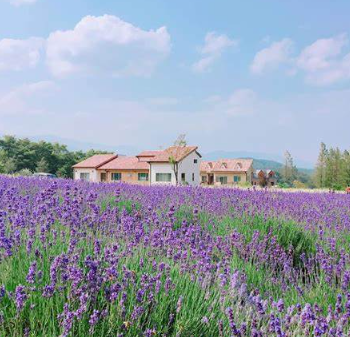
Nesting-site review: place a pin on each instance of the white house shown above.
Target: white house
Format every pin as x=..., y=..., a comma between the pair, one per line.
x=175, y=165
x=182, y=162
x=88, y=169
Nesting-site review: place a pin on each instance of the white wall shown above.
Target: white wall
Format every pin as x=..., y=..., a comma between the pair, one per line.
x=161, y=168
x=186, y=166
x=94, y=174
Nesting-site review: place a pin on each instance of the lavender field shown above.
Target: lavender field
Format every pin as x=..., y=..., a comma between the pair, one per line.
x=80, y=259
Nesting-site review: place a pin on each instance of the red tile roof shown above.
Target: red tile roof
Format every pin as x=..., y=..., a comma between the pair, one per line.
x=95, y=161
x=226, y=165
x=176, y=152
x=125, y=163
x=149, y=153
x=207, y=166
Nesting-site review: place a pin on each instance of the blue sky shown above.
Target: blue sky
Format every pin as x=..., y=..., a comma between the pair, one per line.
x=262, y=76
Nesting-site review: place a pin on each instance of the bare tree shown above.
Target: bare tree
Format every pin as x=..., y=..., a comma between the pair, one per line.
x=181, y=140
x=174, y=155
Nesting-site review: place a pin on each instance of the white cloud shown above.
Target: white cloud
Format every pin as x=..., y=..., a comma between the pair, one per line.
x=22, y=2
x=271, y=57
x=241, y=102
x=323, y=62
x=106, y=44
x=25, y=99
x=213, y=48
x=320, y=55
x=20, y=54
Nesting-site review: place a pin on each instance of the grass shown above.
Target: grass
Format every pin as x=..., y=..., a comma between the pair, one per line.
x=186, y=213
x=287, y=233
x=127, y=205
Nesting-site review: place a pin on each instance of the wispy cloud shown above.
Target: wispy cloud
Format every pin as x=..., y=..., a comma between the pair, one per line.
x=241, y=102
x=25, y=99
x=323, y=62
x=214, y=46
x=273, y=56
x=17, y=55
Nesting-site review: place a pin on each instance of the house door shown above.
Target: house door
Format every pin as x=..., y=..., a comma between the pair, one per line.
x=211, y=179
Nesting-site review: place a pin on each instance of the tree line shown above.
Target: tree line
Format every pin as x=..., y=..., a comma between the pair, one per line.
x=332, y=168
x=22, y=156
x=290, y=176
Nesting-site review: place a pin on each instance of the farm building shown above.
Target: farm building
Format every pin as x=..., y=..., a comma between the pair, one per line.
x=88, y=169
x=174, y=165
x=226, y=172
x=264, y=178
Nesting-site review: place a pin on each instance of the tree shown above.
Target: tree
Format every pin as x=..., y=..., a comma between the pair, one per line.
x=179, y=143
x=24, y=173
x=181, y=140
x=18, y=154
x=42, y=165
x=320, y=171
x=289, y=171
x=346, y=168
x=10, y=166
x=334, y=168
x=2, y=161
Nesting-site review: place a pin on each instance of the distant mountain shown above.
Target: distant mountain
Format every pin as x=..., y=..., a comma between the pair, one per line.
x=264, y=164
x=269, y=161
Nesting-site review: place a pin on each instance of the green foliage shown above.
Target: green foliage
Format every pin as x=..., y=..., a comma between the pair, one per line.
x=287, y=233
x=289, y=176
x=299, y=184
x=42, y=165
x=9, y=166
x=18, y=154
x=126, y=205
x=282, y=184
x=24, y=173
x=289, y=172
x=332, y=169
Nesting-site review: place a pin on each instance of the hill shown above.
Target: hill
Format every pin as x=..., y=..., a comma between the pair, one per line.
x=258, y=163
x=276, y=160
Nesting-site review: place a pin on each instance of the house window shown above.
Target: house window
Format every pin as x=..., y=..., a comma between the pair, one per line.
x=183, y=177
x=116, y=176
x=195, y=161
x=192, y=176
x=143, y=176
x=236, y=179
x=103, y=176
x=163, y=177
x=85, y=176
x=222, y=180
